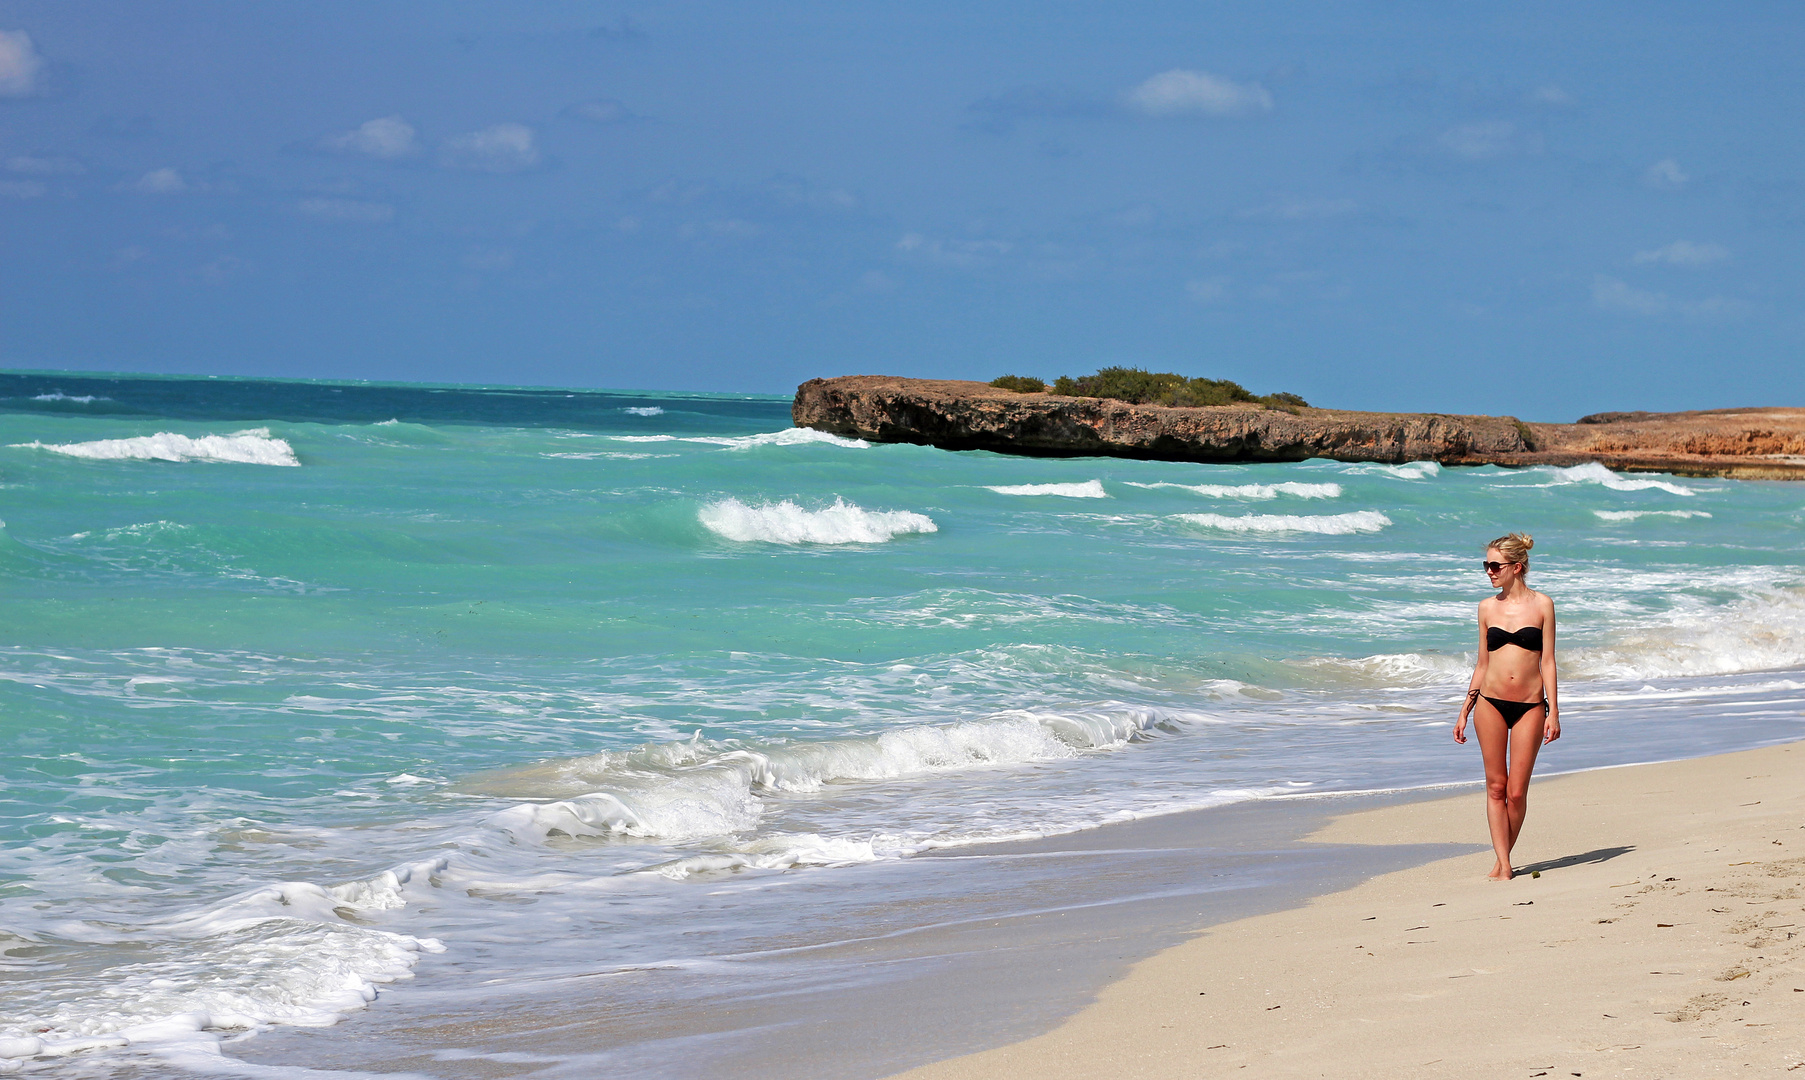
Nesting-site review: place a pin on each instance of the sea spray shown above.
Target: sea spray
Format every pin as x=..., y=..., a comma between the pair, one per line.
x=787, y=523
x=1359, y=521
x=1251, y=491
x=1089, y=489
x=251, y=447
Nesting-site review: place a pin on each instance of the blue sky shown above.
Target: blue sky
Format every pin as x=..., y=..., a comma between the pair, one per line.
x=1545, y=211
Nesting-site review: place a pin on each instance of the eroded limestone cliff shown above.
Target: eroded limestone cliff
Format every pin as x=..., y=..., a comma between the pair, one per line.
x=955, y=415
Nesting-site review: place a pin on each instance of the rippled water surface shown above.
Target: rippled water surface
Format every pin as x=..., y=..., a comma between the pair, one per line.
x=316, y=693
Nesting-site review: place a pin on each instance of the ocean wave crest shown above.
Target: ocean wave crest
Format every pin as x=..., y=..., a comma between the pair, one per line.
x=1759, y=633
x=1358, y=521
x=1254, y=491
x=1410, y=470
x=1594, y=473
x=787, y=523
x=786, y=437
x=286, y=953
x=644, y=410
x=694, y=790
x=253, y=446
x=1089, y=489
x=1631, y=515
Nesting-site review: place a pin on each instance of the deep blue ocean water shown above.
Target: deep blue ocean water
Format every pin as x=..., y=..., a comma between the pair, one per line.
x=316, y=694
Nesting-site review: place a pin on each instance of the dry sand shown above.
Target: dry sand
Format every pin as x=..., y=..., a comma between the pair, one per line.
x=1664, y=937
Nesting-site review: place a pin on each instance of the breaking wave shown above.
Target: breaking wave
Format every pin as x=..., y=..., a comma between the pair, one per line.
x=1254, y=491
x=1594, y=473
x=786, y=437
x=1760, y=633
x=285, y=953
x=698, y=789
x=250, y=447
x=1631, y=515
x=1089, y=489
x=643, y=410
x=1359, y=521
x=787, y=523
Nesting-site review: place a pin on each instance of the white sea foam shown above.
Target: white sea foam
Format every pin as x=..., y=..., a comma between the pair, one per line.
x=786, y=437
x=1762, y=633
x=253, y=446
x=694, y=790
x=1359, y=521
x=1393, y=669
x=1413, y=470
x=1631, y=515
x=81, y=399
x=288, y=953
x=1254, y=491
x=1759, y=633
x=787, y=523
x=643, y=410
x=1594, y=473
x=1089, y=489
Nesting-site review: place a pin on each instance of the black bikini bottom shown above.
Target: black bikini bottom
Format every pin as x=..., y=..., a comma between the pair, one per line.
x=1513, y=711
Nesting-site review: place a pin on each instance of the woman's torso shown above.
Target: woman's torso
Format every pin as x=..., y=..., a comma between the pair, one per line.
x=1513, y=671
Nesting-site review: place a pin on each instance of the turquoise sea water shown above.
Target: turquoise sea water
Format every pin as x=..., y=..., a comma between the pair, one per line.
x=319, y=695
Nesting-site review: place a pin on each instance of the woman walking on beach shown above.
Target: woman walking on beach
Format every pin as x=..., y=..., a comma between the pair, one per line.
x=1512, y=698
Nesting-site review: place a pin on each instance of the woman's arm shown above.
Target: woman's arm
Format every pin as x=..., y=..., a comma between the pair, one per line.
x=1550, y=676
x=1473, y=684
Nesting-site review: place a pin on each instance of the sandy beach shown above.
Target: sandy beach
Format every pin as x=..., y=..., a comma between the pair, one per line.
x=1662, y=935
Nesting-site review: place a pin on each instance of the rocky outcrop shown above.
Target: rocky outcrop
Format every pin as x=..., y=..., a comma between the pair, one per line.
x=954, y=415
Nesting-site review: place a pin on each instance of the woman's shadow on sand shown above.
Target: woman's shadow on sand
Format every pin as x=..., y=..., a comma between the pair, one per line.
x=1599, y=855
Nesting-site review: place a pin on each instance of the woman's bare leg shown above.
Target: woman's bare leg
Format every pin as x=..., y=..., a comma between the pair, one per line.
x=1494, y=740
x=1525, y=743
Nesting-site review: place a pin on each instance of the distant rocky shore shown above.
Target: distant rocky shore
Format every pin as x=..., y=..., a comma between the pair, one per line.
x=1749, y=444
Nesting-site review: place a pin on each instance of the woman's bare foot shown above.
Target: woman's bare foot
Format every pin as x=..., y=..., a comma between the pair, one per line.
x=1500, y=872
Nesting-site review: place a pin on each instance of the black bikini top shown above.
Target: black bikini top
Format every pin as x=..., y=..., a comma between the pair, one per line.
x=1528, y=637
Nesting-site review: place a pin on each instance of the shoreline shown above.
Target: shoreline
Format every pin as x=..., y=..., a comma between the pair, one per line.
x=1017, y=935
x=1662, y=937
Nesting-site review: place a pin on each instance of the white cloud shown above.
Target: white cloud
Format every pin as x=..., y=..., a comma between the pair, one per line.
x=1551, y=96
x=486, y=258
x=502, y=148
x=22, y=189
x=1665, y=174
x=347, y=210
x=1207, y=290
x=162, y=182
x=730, y=229
x=387, y=138
x=20, y=64
x=966, y=254
x=1303, y=209
x=1490, y=139
x=599, y=111
x=1192, y=93
x=1610, y=294
x=43, y=166
x=1684, y=253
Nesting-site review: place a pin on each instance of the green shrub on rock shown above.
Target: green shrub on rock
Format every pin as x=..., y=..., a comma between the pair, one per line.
x=1166, y=388
x=1021, y=384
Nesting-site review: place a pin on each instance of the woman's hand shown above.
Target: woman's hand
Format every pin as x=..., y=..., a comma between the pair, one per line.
x=1460, y=725
x=1553, y=729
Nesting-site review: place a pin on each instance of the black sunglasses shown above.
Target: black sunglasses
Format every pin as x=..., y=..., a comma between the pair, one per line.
x=1494, y=567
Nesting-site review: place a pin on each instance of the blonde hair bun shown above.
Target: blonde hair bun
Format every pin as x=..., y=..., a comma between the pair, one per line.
x=1514, y=547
